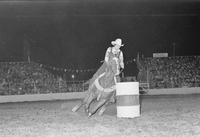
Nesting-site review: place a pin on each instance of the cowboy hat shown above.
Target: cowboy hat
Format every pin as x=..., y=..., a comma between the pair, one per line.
x=117, y=42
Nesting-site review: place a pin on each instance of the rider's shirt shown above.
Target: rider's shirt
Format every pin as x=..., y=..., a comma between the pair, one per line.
x=113, y=53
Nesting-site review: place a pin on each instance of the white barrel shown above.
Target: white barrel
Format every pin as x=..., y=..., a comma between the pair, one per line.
x=128, y=104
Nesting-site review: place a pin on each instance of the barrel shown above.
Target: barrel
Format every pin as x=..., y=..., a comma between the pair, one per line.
x=128, y=104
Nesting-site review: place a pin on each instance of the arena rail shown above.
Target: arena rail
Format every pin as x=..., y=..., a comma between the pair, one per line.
x=174, y=91
x=80, y=95
x=41, y=97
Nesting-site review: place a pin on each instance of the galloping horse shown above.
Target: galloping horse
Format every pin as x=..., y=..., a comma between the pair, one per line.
x=101, y=89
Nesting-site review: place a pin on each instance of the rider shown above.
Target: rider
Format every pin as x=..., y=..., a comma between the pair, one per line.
x=111, y=52
x=115, y=51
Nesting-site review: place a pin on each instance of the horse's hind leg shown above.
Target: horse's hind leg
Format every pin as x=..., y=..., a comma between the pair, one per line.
x=103, y=109
x=99, y=105
x=110, y=101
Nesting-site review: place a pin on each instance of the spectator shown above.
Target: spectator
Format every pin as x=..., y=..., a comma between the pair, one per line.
x=172, y=72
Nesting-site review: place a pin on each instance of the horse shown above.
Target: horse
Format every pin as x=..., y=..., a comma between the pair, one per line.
x=102, y=89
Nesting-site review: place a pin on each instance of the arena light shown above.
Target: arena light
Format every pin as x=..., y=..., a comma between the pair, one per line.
x=73, y=76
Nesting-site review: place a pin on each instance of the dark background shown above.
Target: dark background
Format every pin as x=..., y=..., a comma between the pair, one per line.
x=75, y=34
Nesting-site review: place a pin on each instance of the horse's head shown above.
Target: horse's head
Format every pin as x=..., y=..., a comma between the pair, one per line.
x=107, y=79
x=113, y=66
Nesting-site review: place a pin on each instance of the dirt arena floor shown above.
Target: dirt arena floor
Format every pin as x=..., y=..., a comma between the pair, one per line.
x=161, y=116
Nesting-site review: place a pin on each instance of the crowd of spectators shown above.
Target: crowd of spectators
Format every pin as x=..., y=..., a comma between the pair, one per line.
x=171, y=72
x=17, y=78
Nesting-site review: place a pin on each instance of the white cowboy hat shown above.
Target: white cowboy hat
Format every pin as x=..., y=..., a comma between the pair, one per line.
x=117, y=42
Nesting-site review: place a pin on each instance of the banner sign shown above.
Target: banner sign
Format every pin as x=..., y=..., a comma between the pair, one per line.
x=160, y=55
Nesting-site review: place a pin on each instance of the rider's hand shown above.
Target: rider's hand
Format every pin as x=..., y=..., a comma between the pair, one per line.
x=121, y=69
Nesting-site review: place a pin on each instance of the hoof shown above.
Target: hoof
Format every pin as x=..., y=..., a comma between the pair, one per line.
x=89, y=114
x=87, y=110
x=73, y=110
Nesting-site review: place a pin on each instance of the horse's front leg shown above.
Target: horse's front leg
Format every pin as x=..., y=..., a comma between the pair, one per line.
x=77, y=107
x=90, y=97
x=88, y=102
x=83, y=102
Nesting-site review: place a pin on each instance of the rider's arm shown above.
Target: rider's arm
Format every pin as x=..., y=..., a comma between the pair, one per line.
x=107, y=54
x=121, y=59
